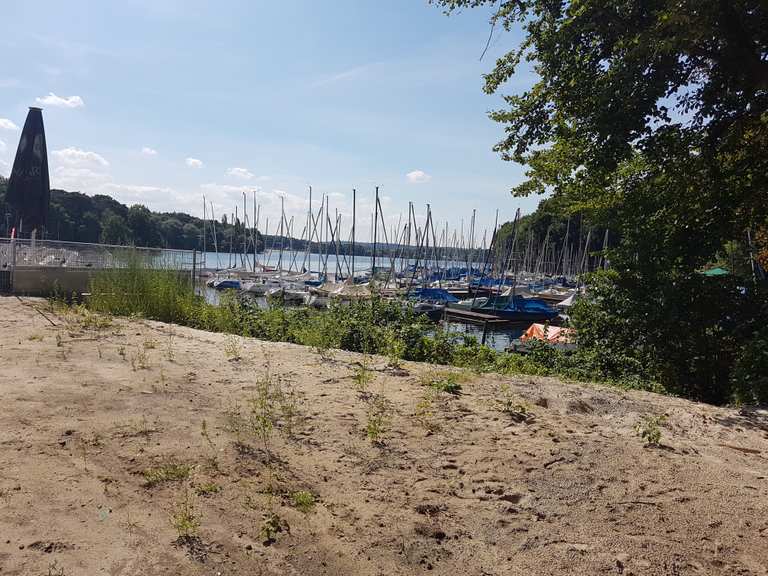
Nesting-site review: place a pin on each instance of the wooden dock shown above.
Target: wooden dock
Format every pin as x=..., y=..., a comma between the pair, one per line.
x=476, y=317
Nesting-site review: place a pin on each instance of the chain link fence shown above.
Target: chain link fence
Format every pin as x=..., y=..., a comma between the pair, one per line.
x=25, y=253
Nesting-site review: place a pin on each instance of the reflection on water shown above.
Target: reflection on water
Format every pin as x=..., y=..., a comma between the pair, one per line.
x=498, y=338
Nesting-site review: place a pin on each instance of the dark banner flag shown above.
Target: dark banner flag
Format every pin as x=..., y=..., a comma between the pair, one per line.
x=28, y=188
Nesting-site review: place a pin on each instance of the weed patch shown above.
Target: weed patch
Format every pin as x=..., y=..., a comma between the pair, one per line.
x=166, y=473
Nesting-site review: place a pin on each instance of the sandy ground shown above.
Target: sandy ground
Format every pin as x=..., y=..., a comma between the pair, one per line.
x=454, y=484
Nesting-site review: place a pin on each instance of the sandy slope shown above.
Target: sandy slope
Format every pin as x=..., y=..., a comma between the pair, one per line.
x=572, y=491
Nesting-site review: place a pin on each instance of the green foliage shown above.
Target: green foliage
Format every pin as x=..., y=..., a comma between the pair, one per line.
x=445, y=381
x=363, y=375
x=649, y=429
x=513, y=406
x=184, y=517
x=208, y=489
x=378, y=418
x=376, y=327
x=167, y=473
x=270, y=528
x=695, y=336
x=303, y=501
x=395, y=349
x=749, y=377
x=651, y=121
x=137, y=289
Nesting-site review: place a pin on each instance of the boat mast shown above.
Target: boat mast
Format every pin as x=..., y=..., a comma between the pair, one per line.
x=354, y=217
x=204, y=214
x=375, y=230
x=215, y=240
x=282, y=238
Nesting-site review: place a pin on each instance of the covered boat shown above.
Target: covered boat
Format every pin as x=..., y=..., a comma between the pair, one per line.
x=513, y=308
x=550, y=334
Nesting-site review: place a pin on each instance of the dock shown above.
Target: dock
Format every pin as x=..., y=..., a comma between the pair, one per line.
x=476, y=317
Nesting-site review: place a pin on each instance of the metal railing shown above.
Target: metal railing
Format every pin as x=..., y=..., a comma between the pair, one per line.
x=21, y=253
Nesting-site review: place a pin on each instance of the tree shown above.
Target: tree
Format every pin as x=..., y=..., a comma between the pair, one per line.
x=143, y=226
x=114, y=230
x=651, y=119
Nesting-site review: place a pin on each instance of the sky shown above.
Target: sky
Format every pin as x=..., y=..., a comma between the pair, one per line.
x=162, y=102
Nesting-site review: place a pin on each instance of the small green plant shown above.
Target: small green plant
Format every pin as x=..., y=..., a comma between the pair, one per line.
x=141, y=428
x=140, y=360
x=395, y=349
x=303, y=501
x=232, y=348
x=169, y=351
x=270, y=528
x=444, y=381
x=377, y=422
x=288, y=404
x=263, y=412
x=425, y=412
x=35, y=338
x=149, y=343
x=91, y=321
x=212, y=461
x=171, y=472
x=363, y=375
x=208, y=489
x=513, y=406
x=184, y=517
x=649, y=429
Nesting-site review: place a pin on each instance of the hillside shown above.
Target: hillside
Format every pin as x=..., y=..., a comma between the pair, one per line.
x=77, y=217
x=113, y=430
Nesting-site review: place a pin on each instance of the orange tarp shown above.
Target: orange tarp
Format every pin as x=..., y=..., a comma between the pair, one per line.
x=552, y=334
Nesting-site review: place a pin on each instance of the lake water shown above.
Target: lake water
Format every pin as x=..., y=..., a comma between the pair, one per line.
x=298, y=260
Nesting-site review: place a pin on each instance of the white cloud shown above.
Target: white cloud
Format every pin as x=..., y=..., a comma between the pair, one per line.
x=418, y=177
x=242, y=173
x=3, y=147
x=80, y=158
x=78, y=179
x=147, y=151
x=61, y=101
x=137, y=191
x=6, y=124
x=194, y=163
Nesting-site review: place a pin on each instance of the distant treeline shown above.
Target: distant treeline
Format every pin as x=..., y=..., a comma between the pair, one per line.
x=76, y=217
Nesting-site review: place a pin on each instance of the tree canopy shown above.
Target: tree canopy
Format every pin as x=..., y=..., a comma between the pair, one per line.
x=78, y=217
x=650, y=118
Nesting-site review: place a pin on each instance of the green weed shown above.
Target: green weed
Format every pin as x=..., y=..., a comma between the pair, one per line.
x=208, y=489
x=232, y=348
x=363, y=375
x=377, y=422
x=171, y=472
x=303, y=501
x=444, y=381
x=184, y=517
x=649, y=429
x=512, y=406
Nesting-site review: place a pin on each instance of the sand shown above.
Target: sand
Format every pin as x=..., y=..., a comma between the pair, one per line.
x=453, y=484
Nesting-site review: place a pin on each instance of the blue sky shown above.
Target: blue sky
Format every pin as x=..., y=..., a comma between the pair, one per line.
x=162, y=101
